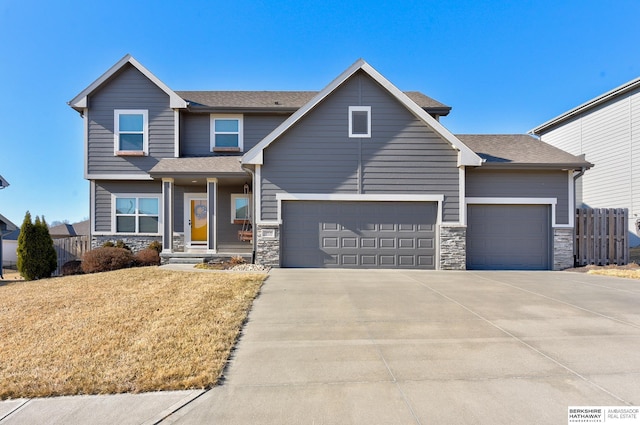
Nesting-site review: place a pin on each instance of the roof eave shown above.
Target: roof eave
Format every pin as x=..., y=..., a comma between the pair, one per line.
x=612, y=94
x=537, y=166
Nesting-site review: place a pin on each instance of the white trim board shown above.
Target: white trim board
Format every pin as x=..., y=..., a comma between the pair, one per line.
x=358, y=198
x=521, y=201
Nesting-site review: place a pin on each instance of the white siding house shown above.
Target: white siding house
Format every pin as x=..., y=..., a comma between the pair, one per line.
x=607, y=131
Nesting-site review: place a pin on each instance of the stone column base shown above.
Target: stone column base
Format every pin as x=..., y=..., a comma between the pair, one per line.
x=562, y=249
x=453, y=247
x=268, y=244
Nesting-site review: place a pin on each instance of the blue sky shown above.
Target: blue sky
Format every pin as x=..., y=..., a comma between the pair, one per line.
x=504, y=66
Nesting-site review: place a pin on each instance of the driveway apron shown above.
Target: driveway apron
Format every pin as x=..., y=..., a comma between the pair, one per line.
x=422, y=347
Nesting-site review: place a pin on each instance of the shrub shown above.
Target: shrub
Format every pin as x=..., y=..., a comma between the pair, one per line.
x=36, y=255
x=72, y=267
x=106, y=259
x=156, y=246
x=147, y=257
x=119, y=244
x=237, y=260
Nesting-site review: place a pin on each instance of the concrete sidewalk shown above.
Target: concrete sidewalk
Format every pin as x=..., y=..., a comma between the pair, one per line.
x=404, y=347
x=147, y=408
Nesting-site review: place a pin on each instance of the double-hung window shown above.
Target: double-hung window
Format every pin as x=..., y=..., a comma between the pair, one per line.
x=359, y=121
x=137, y=214
x=226, y=133
x=131, y=131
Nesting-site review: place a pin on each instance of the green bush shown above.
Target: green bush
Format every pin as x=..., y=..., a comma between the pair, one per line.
x=37, y=257
x=106, y=259
x=147, y=257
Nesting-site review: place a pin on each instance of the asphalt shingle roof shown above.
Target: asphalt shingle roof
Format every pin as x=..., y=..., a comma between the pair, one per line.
x=519, y=150
x=285, y=100
x=200, y=165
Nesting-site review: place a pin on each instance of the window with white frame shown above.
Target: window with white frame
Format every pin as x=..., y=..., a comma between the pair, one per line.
x=240, y=208
x=226, y=133
x=359, y=121
x=136, y=214
x=131, y=131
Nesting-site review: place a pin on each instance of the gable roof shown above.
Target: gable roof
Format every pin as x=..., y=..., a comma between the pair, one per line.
x=465, y=155
x=3, y=183
x=67, y=230
x=80, y=101
x=520, y=151
x=593, y=103
x=286, y=101
x=10, y=226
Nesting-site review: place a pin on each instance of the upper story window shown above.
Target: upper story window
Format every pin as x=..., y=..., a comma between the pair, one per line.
x=137, y=214
x=226, y=133
x=131, y=131
x=359, y=121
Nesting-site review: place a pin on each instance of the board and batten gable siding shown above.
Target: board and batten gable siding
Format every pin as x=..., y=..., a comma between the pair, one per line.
x=402, y=156
x=195, y=132
x=487, y=183
x=129, y=89
x=609, y=135
x=103, y=199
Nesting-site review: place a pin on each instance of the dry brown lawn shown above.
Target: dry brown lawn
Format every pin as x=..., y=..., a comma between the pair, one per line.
x=131, y=330
x=617, y=272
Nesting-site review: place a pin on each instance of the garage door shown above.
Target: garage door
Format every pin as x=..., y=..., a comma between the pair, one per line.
x=508, y=237
x=358, y=234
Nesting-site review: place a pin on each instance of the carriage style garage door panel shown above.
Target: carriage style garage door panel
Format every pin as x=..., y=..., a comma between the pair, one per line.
x=358, y=234
x=508, y=237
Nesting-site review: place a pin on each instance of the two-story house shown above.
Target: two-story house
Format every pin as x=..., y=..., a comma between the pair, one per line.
x=359, y=174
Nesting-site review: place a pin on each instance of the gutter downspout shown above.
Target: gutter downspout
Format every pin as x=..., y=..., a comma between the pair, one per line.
x=575, y=179
x=253, y=206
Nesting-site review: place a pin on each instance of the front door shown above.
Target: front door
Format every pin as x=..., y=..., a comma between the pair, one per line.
x=195, y=217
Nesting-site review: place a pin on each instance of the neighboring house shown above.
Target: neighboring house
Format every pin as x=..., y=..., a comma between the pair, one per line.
x=607, y=131
x=65, y=230
x=359, y=174
x=8, y=242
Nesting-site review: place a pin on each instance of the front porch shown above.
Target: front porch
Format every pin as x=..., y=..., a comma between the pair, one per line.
x=207, y=213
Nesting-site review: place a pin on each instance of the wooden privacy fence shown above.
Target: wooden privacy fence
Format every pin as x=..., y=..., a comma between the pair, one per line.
x=70, y=249
x=601, y=236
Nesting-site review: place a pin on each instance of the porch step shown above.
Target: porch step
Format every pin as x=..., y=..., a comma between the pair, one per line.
x=198, y=258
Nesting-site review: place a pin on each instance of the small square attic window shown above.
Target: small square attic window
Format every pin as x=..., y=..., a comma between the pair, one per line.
x=359, y=121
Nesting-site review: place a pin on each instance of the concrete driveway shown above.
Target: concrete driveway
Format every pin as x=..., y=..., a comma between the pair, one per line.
x=413, y=347
x=404, y=347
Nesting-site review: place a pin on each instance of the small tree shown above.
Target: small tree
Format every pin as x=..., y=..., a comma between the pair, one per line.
x=36, y=255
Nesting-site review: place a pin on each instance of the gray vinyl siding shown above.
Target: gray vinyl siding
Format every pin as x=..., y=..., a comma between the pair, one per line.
x=195, y=137
x=403, y=155
x=129, y=89
x=104, y=190
x=227, y=231
x=521, y=184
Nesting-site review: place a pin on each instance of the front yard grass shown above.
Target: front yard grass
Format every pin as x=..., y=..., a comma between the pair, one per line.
x=132, y=330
